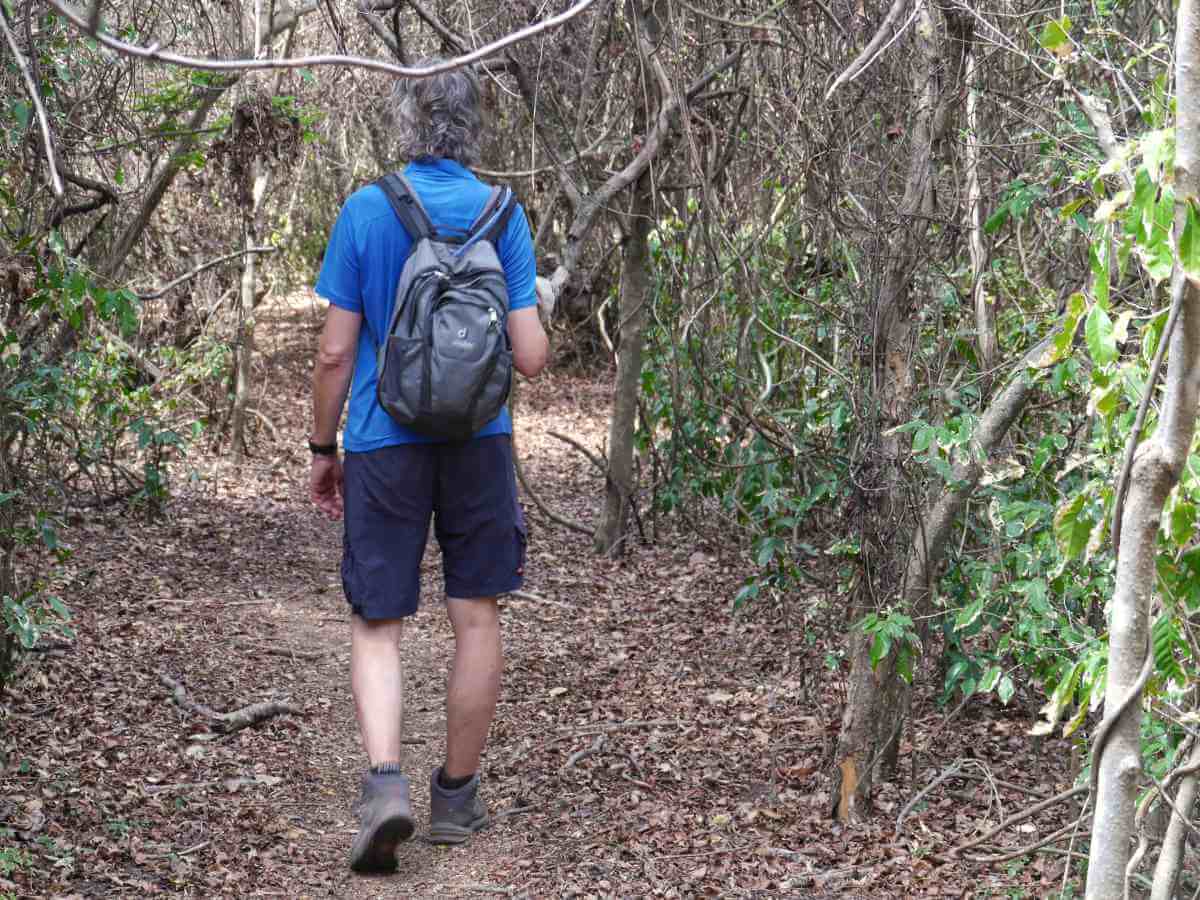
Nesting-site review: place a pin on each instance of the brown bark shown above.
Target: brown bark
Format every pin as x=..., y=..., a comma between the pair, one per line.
x=876, y=696
x=244, y=358
x=635, y=298
x=632, y=316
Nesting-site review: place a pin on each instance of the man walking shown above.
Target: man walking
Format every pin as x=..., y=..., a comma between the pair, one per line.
x=394, y=479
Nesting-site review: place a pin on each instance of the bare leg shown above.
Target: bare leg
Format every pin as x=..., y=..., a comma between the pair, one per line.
x=474, y=683
x=376, y=675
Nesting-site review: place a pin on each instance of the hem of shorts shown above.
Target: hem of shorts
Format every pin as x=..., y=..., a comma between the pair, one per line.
x=487, y=592
x=373, y=614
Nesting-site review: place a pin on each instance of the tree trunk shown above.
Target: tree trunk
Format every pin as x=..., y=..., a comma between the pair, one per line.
x=985, y=312
x=877, y=696
x=1170, y=860
x=634, y=300
x=244, y=356
x=8, y=575
x=1156, y=470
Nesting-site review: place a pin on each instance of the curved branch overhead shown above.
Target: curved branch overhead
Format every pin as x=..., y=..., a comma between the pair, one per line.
x=873, y=48
x=155, y=53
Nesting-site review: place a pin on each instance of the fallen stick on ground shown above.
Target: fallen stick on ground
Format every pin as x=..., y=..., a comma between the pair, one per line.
x=482, y=889
x=307, y=655
x=580, y=755
x=1028, y=848
x=525, y=595
x=947, y=773
x=1016, y=818
x=230, y=784
x=228, y=722
x=606, y=727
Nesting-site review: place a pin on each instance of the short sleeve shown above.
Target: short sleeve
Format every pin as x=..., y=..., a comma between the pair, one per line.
x=340, y=280
x=520, y=266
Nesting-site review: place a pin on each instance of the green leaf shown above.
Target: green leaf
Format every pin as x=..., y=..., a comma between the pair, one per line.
x=1070, y=529
x=745, y=595
x=1165, y=639
x=1076, y=720
x=880, y=647
x=308, y=76
x=1056, y=33
x=1005, y=690
x=1140, y=210
x=1189, y=242
x=1151, y=335
x=923, y=438
x=1158, y=149
x=22, y=112
x=990, y=679
x=1157, y=254
x=1182, y=518
x=996, y=220
x=1099, y=332
x=56, y=604
x=1071, y=208
x=1060, y=347
x=957, y=670
x=1053, y=709
x=968, y=614
x=1099, y=259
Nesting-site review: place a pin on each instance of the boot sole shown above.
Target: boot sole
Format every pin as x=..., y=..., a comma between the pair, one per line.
x=376, y=852
x=449, y=833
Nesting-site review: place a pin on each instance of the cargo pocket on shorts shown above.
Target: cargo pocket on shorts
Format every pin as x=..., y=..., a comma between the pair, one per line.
x=349, y=581
x=522, y=538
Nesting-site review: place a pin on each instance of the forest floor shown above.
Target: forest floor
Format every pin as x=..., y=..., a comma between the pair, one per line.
x=650, y=741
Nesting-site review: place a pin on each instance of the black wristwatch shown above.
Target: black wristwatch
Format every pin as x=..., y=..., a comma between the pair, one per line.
x=323, y=449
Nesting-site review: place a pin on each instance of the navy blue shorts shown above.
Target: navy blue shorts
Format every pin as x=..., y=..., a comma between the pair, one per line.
x=469, y=489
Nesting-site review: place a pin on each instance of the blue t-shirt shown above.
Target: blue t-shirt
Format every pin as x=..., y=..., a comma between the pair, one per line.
x=366, y=252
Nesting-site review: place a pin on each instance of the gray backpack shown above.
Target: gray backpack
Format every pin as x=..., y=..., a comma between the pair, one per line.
x=445, y=365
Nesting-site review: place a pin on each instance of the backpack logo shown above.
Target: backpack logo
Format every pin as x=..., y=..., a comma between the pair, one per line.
x=445, y=365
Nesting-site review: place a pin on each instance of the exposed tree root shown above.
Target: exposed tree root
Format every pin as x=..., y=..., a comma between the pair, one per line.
x=540, y=504
x=595, y=460
x=230, y=784
x=1016, y=819
x=227, y=722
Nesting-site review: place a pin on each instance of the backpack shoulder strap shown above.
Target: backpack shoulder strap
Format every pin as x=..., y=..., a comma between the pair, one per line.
x=496, y=213
x=407, y=206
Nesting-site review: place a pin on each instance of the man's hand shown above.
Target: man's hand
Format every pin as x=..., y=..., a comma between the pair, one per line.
x=325, y=483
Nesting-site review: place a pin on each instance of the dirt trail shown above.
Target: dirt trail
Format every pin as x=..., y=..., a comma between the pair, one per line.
x=648, y=742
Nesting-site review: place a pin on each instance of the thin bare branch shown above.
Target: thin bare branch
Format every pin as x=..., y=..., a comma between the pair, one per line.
x=336, y=59
x=158, y=292
x=35, y=98
x=873, y=49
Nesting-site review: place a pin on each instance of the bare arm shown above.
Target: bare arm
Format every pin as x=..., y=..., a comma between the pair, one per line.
x=529, y=342
x=333, y=372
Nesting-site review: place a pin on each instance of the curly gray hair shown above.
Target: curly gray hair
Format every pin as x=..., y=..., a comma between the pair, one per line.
x=439, y=116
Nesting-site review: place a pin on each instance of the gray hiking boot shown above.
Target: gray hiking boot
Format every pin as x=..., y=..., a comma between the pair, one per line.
x=454, y=815
x=385, y=820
